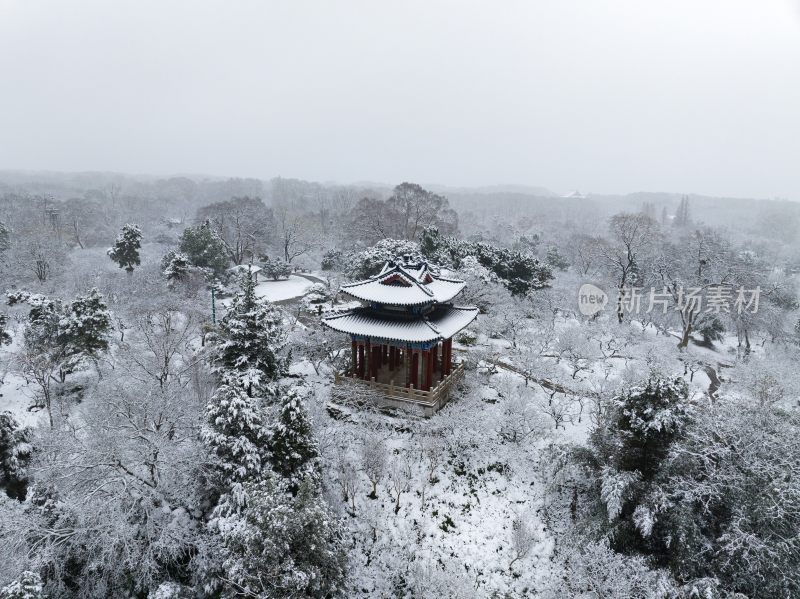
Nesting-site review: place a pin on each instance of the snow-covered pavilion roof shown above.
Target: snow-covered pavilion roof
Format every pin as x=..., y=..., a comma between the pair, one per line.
x=442, y=323
x=402, y=282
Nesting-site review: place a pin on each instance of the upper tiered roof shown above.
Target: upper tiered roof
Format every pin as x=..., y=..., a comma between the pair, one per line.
x=405, y=282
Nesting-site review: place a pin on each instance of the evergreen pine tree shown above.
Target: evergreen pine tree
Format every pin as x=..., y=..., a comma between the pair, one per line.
x=15, y=452
x=293, y=450
x=645, y=421
x=251, y=335
x=29, y=586
x=176, y=266
x=627, y=451
x=87, y=324
x=286, y=546
x=554, y=259
x=66, y=333
x=236, y=435
x=204, y=248
x=125, y=251
x=5, y=335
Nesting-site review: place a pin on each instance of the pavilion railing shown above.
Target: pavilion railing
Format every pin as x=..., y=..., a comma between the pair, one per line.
x=401, y=396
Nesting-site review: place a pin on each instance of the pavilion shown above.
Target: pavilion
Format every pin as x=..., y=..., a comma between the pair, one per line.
x=402, y=335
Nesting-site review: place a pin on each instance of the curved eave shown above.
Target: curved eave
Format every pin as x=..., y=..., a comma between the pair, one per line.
x=443, y=323
x=440, y=291
x=390, y=299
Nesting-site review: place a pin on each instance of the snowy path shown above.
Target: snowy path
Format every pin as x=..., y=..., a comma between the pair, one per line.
x=284, y=290
x=543, y=382
x=310, y=277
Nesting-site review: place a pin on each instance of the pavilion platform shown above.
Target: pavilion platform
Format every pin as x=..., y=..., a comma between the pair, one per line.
x=388, y=389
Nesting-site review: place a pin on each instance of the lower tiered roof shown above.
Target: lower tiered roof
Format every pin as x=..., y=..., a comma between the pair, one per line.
x=440, y=324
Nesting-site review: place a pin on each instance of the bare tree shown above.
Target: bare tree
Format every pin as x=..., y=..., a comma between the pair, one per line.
x=39, y=255
x=701, y=259
x=523, y=538
x=373, y=460
x=400, y=478
x=41, y=364
x=295, y=235
x=244, y=224
x=520, y=414
x=347, y=478
x=630, y=236
x=413, y=208
x=165, y=336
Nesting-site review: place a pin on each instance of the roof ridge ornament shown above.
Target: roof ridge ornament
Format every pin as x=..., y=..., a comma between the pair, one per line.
x=404, y=285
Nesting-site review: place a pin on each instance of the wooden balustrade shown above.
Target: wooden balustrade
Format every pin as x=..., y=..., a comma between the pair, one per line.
x=401, y=396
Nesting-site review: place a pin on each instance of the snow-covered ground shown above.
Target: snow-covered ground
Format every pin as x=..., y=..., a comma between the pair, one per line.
x=285, y=289
x=16, y=396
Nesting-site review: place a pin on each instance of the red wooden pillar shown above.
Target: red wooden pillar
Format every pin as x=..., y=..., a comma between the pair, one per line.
x=368, y=359
x=429, y=369
x=423, y=369
x=435, y=356
x=449, y=355
x=353, y=357
x=398, y=356
x=415, y=368
x=392, y=350
x=373, y=362
x=361, y=360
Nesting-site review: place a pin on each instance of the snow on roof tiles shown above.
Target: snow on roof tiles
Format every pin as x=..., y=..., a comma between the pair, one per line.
x=441, y=324
x=403, y=284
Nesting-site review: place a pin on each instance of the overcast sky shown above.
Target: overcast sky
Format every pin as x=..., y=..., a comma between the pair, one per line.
x=606, y=96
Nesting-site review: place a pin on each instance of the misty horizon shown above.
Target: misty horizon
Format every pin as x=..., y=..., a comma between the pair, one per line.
x=523, y=189
x=613, y=99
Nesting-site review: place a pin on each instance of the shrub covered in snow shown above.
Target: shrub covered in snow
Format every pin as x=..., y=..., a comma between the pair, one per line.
x=367, y=263
x=333, y=259
x=467, y=337
x=520, y=272
x=29, y=586
x=277, y=269
x=204, y=248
